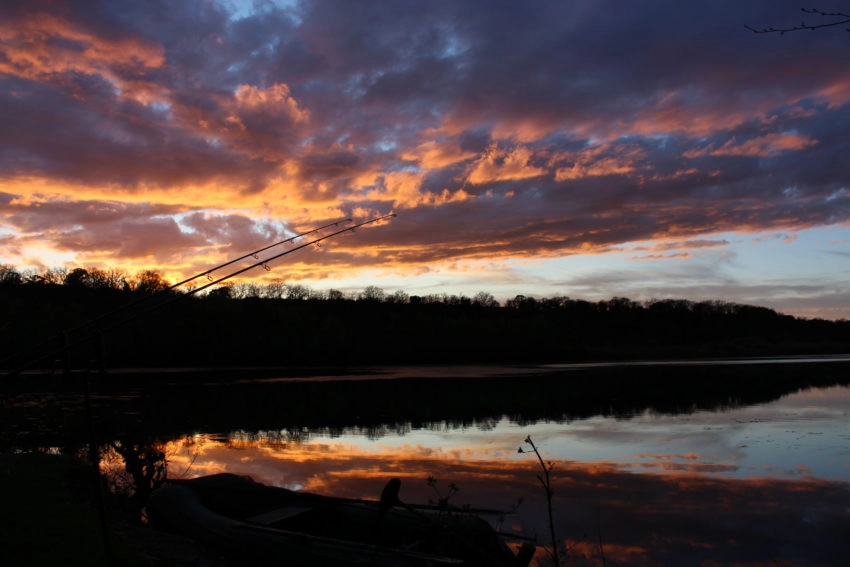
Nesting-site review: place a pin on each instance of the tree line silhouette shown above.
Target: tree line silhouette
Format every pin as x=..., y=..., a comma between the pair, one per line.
x=280, y=324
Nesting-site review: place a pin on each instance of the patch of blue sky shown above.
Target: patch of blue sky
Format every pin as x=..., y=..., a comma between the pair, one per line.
x=796, y=255
x=776, y=262
x=180, y=219
x=386, y=145
x=160, y=106
x=452, y=46
x=273, y=226
x=268, y=48
x=355, y=86
x=774, y=269
x=261, y=225
x=241, y=9
x=117, y=91
x=408, y=168
x=839, y=194
x=163, y=109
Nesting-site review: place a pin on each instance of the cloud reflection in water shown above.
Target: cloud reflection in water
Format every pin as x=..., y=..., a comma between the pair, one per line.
x=758, y=485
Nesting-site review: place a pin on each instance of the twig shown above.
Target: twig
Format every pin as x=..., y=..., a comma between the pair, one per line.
x=844, y=19
x=547, y=486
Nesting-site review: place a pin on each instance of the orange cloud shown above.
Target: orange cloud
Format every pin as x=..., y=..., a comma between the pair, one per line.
x=259, y=122
x=596, y=161
x=675, y=256
x=765, y=146
x=837, y=93
x=672, y=250
x=676, y=244
x=437, y=155
x=272, y=100
x=525, y=130
x=402, y=190
x=504, y=165
x=43, y=47
x=605, y=166
x=672, y=113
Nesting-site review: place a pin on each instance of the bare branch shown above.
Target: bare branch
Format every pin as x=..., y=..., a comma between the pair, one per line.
x=843, y=18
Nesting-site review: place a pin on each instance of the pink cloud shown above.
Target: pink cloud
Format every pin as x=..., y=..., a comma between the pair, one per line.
x=497, y=164
x=44, y=47
x=768, y=145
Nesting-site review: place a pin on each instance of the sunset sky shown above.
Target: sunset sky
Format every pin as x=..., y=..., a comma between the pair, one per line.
x=581, y=148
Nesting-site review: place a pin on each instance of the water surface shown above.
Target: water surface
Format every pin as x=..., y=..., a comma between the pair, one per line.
x=673, y=463
x=760, y=484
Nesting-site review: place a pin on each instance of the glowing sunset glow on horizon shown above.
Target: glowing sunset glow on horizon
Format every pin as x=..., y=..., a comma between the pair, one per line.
x=633, y=150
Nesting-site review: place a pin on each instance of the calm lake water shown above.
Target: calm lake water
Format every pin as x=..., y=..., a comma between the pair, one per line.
x=739, y=484
x=704, y=463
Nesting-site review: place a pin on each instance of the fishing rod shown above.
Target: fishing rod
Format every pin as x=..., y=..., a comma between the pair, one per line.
x=259, y=250
x=264, y=263
x=148, y=298
x=317, y=242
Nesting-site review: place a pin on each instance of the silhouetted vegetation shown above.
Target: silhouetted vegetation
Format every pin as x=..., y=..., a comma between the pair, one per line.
x=546, y=481
x=143, y=323
x=822, y=19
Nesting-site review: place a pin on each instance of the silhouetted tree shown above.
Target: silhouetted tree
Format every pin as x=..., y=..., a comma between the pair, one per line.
x=372, y=293
x=96, y=278
x=245, y=291
x=220, y=292
x=456, y=300
x=485, y=299
x=335, y=295
x=275, y=290
x=397, y=297
x=53, y=276
x=297, y=292
x=108, y=279
x=77, y=278
x=146, y=464
x=521, y=302
x=149, y=281
x=10, y=276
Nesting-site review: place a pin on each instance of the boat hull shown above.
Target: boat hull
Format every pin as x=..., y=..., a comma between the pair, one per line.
x=254, y=523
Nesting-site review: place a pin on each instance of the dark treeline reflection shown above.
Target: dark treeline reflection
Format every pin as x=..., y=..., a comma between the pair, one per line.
x=278, y=324
x=171, y=405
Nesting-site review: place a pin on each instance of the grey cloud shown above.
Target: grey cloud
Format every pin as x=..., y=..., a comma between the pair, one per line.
x=61, y=215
